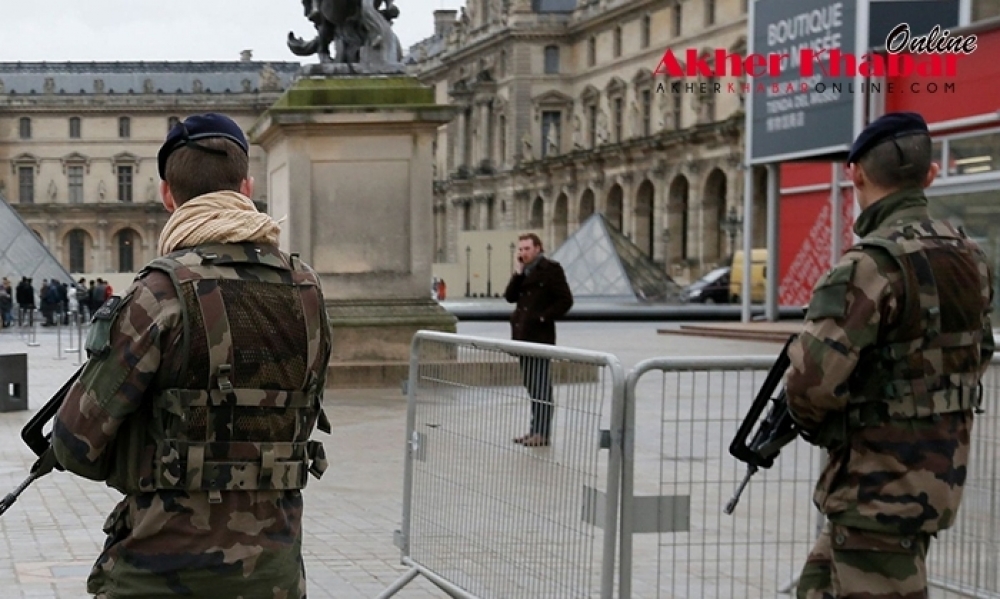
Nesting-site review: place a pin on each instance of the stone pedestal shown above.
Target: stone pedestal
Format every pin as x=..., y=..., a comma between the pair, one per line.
x=349, y=165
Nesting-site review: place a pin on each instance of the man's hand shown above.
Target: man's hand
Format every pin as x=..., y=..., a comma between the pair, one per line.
x=518, y=267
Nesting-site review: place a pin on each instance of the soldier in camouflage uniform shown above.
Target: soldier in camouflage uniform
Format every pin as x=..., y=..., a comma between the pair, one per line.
x=203, y=386
x=886, y=374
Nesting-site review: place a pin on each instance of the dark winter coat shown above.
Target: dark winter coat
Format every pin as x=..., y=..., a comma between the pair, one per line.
x=542, y=297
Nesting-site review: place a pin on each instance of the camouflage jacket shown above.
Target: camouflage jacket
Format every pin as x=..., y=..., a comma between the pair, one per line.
x=168, y=543
x=900, y=473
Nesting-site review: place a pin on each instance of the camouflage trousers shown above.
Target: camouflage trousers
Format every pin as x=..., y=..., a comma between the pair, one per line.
x=847, y=563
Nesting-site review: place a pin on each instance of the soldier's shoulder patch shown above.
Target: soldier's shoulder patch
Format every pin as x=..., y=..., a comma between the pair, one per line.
x=829, y=299
x=99, y=338
x=108, y=309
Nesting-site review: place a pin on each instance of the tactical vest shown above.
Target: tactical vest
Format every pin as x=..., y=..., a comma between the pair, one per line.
x=930, y=362
x=239, y=414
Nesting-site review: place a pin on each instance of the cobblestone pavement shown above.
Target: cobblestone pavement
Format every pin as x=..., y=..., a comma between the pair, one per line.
x=53, y=534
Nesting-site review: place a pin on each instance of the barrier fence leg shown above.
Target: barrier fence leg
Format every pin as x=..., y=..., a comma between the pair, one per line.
x=414, y=571
x=59, y=352
x=32, y=331
x=399, y=584
x=79, y=342
x=73, y=320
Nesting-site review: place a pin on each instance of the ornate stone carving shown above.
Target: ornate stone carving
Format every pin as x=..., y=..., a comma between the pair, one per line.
x=151, y=191
x=269, y=80
x=98, y=86
x=577, y=131
x=526, y=150
x=50, y=85
x=603, y=134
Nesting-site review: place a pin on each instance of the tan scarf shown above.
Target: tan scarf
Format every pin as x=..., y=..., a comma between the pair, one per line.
x=219, y=217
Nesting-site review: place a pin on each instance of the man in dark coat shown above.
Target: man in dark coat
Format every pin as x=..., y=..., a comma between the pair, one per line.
x=538, y=287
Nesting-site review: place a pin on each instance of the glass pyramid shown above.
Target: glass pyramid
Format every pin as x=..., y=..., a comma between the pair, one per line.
x=22, y=253
x=601, y=263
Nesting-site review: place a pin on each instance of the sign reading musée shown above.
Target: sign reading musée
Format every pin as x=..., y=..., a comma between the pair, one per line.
x=803, y=111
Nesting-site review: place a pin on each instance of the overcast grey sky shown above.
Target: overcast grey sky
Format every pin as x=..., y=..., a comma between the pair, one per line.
x=126, y=30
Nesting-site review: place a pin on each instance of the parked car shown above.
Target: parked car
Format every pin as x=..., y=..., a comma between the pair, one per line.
x=713, y=288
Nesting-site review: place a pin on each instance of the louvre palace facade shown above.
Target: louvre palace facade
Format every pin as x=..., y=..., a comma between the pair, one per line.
x=559, y=115
x=78, y=143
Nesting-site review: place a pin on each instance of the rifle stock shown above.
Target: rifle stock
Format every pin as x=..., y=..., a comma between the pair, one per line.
x=775, y=431
x=34, y=436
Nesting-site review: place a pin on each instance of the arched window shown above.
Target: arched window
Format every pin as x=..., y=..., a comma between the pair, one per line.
x=586, y=205
x=126, y=250
x=537, y=214
x=615, y=205
x=644, y=235
x=77, y=251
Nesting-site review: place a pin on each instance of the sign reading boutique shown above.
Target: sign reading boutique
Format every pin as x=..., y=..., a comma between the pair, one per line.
x=802, y=110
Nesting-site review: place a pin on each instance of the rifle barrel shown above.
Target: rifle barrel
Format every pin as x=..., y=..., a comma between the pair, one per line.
x=13, y=495
x=751, y=470
x=42, y=466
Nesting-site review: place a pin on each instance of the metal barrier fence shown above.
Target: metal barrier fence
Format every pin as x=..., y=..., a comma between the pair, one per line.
x=965, y=559
x=681, y=415
x=484, y=516
x=675, y=539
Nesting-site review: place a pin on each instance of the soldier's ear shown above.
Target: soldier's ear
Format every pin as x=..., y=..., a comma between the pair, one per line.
x=857, y=175
x=167, y=197
x=932, y=174
x=246, y=187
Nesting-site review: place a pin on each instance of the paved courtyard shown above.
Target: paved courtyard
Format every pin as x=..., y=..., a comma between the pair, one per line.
x=52, y=534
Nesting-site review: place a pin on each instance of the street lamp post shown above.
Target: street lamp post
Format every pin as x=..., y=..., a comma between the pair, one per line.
x=468, y=271
x=489, y=277
x=513, y=247
x=732, y=225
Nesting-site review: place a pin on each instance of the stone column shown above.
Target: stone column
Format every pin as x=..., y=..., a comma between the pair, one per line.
x=151, y=243
x=483, y=207
x=628, y=205
x=661, y=210
x=464, y=132
x=100, y=260
x=52, y=240
x=356, y=186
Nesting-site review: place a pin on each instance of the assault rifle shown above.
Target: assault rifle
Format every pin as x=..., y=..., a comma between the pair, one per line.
x=40, y=442
x=774, y=432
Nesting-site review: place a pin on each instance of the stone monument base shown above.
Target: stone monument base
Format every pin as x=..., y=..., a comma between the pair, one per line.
x=350, y=164
x=345, y=68
x=372, y=339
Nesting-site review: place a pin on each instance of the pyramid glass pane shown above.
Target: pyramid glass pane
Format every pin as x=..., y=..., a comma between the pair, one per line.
x=22, y=254
x=600, y=262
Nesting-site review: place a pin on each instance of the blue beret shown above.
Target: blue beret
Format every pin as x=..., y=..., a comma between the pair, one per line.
x=890, y=126
x=202, y=126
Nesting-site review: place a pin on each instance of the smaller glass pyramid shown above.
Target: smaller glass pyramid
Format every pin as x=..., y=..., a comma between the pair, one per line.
x=601, y=263
x=22, y=253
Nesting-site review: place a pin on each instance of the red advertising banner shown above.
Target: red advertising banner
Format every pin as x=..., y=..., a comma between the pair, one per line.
x=806, y=244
